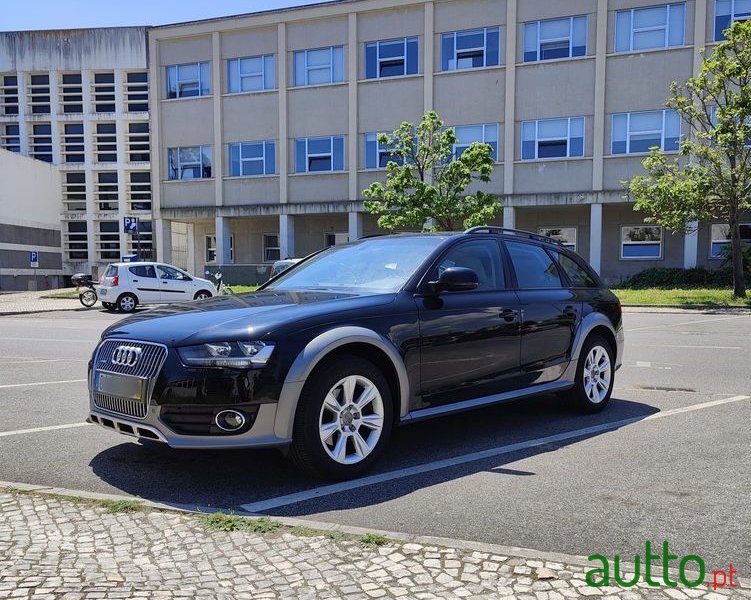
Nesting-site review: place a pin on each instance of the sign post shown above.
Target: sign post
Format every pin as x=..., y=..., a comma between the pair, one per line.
x=130, y=225
x=34, y=262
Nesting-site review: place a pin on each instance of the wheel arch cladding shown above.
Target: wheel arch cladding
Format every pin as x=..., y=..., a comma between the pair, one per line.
x=336, y=342
x=593, y=323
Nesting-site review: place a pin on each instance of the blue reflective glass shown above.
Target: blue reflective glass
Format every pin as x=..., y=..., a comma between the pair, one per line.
x=618, y=147
x=338, y=152
x=721, y=23
x=492, y=48
x=234, y=159
x=270, y=158
x=552, y=149
x=371, y=149
x=319, y=145
x=576, y=146
x=300, y=156
x=371, y=61
x=412, y=57
x=642, y=143
x=447, y=51
x=528, y=149
x=641, y=250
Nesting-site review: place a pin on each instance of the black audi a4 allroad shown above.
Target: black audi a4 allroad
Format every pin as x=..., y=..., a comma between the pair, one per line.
x=326, y=358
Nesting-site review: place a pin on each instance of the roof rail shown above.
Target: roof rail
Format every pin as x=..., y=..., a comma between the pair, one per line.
x=516, y=232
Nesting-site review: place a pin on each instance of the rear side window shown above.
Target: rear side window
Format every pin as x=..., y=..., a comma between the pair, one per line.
x=111, y=271
x=143, y=271
x=534, y=267
x=482, y=256
x=576, y=273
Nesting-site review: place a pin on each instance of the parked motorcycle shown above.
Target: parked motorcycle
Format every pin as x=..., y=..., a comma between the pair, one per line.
x=85, y=287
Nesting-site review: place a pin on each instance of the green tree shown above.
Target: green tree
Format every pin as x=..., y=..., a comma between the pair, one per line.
x=711, y=179
x=425, y=181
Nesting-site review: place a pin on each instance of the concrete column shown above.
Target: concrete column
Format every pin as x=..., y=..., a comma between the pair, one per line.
x=158, y=152
x=287, y=236
x=190, y=244
x=509, y=217
x=162, y=229
x=598, y=137
x=691, y=246
x=353, y=141
x=223, y=234
x=281, y=74
x=217, y=153
x=509, y=125
x=92, y=208
x=54, y=123
x=355, y=226
x=595, y=236
x=428, y=54
x=121, y=133
x=24, y=128
x=700, y=32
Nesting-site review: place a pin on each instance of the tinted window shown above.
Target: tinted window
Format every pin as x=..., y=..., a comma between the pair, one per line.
x=111, y=269
x=143, y=271
x=166, y=272
x=576, y=273
x=482, y=256
x=534, y=267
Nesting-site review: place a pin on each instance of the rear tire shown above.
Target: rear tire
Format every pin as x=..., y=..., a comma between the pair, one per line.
x=88, y=298
x=595, y=376
x=344, y=419
x=127, y=303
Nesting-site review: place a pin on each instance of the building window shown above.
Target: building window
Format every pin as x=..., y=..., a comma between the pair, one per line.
x=108, y=242
x=641, y=242
x=76, y=241
x=39, y=94
x=651, y=27
x=391, y=58
x=105, y=143
x=637, y=132
x=251, y=74
x=466, y=134
x=191, y=162
x=553, y=138
x=271, y=249
x=139, y=190
x=565, y=235
x=71, y=93
x=252, y=158
x=720, y=238
x=10, y=137
x=319, y=66
x=73, y=143
x=728, y=11
x=9, y=94
x=104, y=92
x=211, y=248
x=471, y=49
x=106, y=190
x=334, y=239
x=41, y=142
x=319, y=154
x=556, y=38
x=74, y=191
x=138, y=142
x=189, y=80
x=377, y=155
x=137, y=92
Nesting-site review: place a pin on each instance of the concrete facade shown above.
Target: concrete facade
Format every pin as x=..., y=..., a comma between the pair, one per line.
x=29, y=221
x=78, y=99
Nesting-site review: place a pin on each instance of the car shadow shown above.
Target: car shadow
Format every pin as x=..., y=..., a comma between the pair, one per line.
x=228, y=479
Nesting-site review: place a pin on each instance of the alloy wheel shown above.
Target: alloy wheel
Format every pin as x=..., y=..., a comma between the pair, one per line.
x=597, y=374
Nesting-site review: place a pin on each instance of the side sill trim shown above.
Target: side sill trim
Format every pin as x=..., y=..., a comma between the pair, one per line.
x=445, y=409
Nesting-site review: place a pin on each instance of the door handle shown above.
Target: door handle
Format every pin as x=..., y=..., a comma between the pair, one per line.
x=508, y=314
x=135, y=281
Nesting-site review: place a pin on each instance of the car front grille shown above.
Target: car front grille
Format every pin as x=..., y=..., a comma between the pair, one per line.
x=147, y=366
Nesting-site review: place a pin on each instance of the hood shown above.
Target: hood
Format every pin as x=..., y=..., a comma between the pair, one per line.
x=245, y=316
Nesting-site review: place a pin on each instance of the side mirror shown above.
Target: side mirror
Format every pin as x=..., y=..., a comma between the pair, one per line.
x=455, y=279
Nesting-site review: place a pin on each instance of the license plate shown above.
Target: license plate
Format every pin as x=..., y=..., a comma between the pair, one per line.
x=121, y=386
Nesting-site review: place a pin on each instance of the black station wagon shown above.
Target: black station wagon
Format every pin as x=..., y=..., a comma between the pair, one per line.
x=327, y=357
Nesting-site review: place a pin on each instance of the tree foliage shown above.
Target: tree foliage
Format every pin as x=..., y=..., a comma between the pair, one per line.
x=711, y=177
x=426, y=184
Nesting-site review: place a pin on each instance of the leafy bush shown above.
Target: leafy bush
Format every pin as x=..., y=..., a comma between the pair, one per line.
x=673, y=278
x=727, y=254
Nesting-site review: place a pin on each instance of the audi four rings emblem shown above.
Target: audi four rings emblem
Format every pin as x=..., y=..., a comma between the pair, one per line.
x=126, y=356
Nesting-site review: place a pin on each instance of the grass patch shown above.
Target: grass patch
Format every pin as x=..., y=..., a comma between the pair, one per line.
x=120, y=506
x=681, y=297
x=66, y=294
x=223, y=522
x=243, y=289
x=373, y=540
x=303, y=531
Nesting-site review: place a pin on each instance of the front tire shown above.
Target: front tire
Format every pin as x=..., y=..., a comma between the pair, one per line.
x=127, y=303
x=344, y=419
x=202, y=295
x=595, y=376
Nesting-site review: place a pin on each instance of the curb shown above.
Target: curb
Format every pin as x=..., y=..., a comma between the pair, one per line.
x=36, y=312
x=694, y=309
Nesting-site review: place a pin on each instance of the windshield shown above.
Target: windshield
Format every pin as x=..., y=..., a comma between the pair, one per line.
x=381, y=264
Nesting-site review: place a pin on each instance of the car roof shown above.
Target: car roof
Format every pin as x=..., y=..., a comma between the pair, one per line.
x=504, y=232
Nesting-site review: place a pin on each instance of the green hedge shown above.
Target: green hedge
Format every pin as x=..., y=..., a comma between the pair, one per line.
x=671, y=278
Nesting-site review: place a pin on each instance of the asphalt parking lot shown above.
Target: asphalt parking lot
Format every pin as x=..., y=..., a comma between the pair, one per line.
x=668, y=459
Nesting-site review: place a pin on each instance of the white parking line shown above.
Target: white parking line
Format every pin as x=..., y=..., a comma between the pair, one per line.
x=662, y=325
x=50, y=339
x=327, y=490
x=22, y=360
x=679, y=346
x=14, y=385
x=38, y=429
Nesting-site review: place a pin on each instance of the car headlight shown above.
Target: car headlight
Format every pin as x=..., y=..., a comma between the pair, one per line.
x=238, y=355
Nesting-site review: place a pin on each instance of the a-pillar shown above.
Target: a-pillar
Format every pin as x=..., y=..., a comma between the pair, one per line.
x=595, y=236
x=163, y=233
x=355, y=226
x=509, y=217
x=223, y=241
x=286, y=236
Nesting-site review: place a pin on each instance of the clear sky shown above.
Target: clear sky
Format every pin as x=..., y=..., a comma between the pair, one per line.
x=70, y=14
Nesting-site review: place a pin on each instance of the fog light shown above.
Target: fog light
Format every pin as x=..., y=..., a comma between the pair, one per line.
x=229, y=420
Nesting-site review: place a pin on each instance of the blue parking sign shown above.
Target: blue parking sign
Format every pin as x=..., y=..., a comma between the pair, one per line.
x=130, y=225
x=34, y=259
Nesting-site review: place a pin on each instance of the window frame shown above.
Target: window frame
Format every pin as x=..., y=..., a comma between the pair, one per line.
x=634, y=30
x=263, y=73
x=264, y=159
x=570, y=38
x=624, y=243
x=178, y=81
x=307, y=69
x=568, y=245
x=452, y=35
x=265, y=248
x=404, y=57
x=330, y=154
x=380, y=151
x=538, y=139
x=200, y=164
x=210, y=246
x=485, y=127
x=725, y=241
x=628, y=151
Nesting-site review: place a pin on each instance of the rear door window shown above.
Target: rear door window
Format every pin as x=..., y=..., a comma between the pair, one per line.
x=534, y=267
x=143, y=271
x=575, y=272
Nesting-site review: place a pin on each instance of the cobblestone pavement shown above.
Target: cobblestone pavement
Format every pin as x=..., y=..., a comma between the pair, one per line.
x=52, y=548
x=34, y=302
